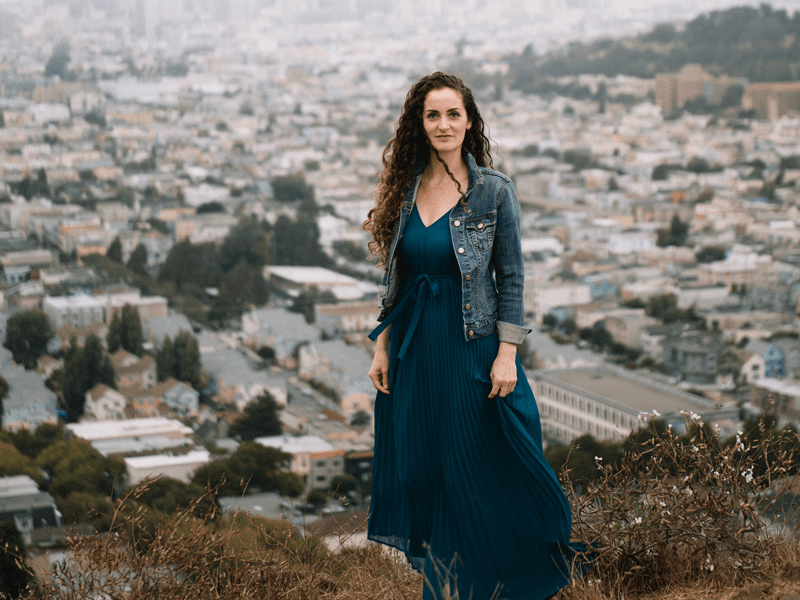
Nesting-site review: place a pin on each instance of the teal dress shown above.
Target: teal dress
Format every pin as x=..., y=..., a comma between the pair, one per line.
x=460, y=483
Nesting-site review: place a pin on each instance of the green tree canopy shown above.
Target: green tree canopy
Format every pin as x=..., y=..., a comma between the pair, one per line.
x=171, y=496
x=260, y=419
x=341, y=485
x=138, y=261
x=83, y=369
x=27, y=335
x=125, y=331
x=252, y=466
x=180, y=358
x=114, y=251
x=13, y=462
x=247, y=241
x=73, y=465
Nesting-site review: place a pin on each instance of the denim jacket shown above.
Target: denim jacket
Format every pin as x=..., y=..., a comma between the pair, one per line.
x=486, y=242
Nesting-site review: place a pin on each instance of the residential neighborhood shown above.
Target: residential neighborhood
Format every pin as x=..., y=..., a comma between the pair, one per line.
x=184, y=218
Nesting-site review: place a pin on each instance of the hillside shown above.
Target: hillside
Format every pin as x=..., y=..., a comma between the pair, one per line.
x=759, y=44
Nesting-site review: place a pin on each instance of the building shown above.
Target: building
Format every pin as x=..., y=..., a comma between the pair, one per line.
x=772, y=100
x=606, y=402
x=105, y=404
x=295, y=280
x=29, y=403
x=132, y=371
x=694, y=356
x=777, y=396
x=541, y=298
x=74, y=311
x=175, y=466
x=314, y=460
x=171, y=429
x=692, y=82
x=32, y=511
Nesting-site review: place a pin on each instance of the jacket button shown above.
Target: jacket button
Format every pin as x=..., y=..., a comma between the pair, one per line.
x=480, y=225
x=461, y=251
x=468, y=306
x=468, y=277
x=471, y=332
x=457, y=223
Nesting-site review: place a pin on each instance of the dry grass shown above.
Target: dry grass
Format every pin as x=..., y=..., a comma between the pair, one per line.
x=678, y=519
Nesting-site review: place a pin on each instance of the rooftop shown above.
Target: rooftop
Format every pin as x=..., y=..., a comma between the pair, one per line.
x=108, y=430
x=632, y=392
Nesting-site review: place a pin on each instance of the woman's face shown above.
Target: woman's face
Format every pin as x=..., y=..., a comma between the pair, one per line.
x=445, y=120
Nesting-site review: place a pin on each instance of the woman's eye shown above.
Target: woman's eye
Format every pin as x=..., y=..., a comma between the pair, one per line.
x=454, y=115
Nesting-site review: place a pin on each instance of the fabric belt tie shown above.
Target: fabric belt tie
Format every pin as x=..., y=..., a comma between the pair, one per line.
x=422, y=286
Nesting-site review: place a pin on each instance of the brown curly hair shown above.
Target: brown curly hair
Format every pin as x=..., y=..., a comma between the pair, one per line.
x=411, y=144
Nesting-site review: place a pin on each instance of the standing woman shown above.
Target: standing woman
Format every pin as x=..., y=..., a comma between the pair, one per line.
x=460, y=483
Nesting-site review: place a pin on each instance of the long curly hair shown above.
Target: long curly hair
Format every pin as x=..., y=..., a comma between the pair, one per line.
x=411, y=144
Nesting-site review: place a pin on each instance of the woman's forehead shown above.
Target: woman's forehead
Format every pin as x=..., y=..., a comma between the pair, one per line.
x=443, y=99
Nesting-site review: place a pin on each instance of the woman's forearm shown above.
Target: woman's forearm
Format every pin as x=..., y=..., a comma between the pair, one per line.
x=382, y=343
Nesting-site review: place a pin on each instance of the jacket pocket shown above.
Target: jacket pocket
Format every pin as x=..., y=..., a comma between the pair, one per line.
x=480, y=231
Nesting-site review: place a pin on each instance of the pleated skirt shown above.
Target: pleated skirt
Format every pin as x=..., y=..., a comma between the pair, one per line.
x=460, y=482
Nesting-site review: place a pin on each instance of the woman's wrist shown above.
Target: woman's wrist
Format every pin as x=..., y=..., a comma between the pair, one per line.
x=507, y=349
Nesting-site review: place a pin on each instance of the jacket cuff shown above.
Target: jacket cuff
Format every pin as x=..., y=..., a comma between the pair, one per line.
x=513, y=334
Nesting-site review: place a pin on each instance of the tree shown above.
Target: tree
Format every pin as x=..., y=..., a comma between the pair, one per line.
x=247, y=241
x=260, y=419
x=180, y=359
x=58, y=61
x=114, y=251
x=171, y=496
x=291, y=188
x=138, y=260
x=676, y=234
x=252, y=465
x=710, y=254
x=661, y=172
x=83, y=369
x=15, y=574
x=341, y=485
x=316, y=498
x=210, y=207
x=297, y=242
x=2, y=119
x=13, y=462
x=191, y=266
x=31, y=444
x=125, y=331
x=360, y=419
x=27, y=335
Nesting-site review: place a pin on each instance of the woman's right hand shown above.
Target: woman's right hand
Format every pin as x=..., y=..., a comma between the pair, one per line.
x=379, y=371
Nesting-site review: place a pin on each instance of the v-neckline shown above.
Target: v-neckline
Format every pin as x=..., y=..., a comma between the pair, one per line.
x=444, y=214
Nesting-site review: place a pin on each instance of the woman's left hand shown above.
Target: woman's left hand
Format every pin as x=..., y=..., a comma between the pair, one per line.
x=504, y=371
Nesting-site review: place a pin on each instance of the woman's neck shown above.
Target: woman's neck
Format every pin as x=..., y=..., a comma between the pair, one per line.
x=454, y=162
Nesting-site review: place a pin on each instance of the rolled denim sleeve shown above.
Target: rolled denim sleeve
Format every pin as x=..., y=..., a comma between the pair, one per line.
x=509, y=267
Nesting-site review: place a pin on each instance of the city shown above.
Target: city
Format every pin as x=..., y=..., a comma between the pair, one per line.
x=182, y=189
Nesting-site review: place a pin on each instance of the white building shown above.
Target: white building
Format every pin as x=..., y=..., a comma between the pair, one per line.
x=541, y=298
x=180, y=467
x=606, y=402
x=73, y=311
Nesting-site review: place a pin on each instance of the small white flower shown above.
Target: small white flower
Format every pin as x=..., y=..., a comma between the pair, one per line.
x=598, y=458
x=662, y=503
x=655, y=413
x=688, y=491
x=637, y=520
x=695, y=449
x=683, y=413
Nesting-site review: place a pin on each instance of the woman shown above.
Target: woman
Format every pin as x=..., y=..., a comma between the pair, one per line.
x=460, y=483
